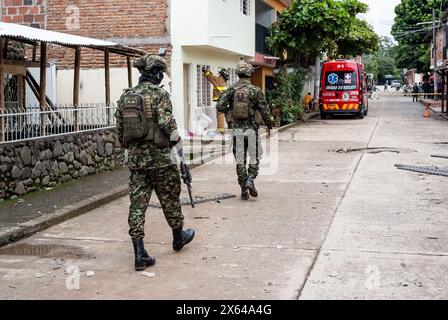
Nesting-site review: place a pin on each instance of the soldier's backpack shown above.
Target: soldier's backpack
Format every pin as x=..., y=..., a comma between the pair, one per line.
x=139, y=122
x=242, y=109
x=136, y=125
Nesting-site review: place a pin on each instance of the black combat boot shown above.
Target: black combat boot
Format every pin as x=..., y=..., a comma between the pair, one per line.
x=250, y=185
x=181, y=238
x=142, y=258
x=244, y=194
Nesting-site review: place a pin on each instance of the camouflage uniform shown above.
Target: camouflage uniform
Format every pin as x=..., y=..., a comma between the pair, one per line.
x=245, y=133
x=152, y=167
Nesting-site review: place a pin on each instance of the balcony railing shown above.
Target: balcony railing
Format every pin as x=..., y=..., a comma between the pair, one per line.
x=16, y=125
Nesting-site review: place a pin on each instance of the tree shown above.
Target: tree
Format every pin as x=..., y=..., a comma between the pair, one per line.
x=383, y=62
x=308, y=27
x=360, y=40
x=414, y=39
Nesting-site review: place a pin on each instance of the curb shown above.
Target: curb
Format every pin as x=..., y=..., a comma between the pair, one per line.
x=31, y=227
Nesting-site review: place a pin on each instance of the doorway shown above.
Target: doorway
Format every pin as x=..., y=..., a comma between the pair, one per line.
x=187, y=100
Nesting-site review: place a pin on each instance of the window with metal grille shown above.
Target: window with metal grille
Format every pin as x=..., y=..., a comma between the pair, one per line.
x=233, y=78
x=245, y=7
x=203, y=88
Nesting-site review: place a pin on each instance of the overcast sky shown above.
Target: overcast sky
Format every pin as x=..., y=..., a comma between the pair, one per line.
x=381, y=15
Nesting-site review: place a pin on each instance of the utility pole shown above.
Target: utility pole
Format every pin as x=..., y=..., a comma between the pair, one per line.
x=434, y=41
x=317, y=77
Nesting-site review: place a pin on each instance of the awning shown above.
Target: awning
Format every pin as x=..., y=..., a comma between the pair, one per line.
x=27, y=34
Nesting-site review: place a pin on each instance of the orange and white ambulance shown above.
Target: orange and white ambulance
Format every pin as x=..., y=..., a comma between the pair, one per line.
x=343, y=89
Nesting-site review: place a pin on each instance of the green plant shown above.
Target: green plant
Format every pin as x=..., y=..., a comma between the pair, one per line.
x=309, y=27
x=286, y=94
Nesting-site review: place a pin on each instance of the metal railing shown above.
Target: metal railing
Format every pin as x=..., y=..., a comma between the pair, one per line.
x=19, y=125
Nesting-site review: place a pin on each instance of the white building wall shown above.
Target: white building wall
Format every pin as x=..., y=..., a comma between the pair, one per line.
x=215, y=23
x=215, y=60
x=206, y=32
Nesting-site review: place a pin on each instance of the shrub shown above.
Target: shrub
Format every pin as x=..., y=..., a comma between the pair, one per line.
x=286, y=94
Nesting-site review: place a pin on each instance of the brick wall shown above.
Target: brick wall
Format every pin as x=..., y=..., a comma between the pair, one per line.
x=99, y=19
x=27, y=12
x=109, y=19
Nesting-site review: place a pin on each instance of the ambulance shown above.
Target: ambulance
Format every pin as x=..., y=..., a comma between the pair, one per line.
x=343, y=89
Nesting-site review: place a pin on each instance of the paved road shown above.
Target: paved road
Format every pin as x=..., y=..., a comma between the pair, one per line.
x=339, y=225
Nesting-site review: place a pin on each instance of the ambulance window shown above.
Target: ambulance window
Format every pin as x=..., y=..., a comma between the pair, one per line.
x=340, y=80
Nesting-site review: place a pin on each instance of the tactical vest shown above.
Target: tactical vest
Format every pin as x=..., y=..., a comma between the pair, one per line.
x=242, y=106
x=242, y=109
x=139, y=122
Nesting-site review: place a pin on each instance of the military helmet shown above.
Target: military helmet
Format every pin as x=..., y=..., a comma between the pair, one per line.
x=224, y=73
x=150, y=61
x=244, y=68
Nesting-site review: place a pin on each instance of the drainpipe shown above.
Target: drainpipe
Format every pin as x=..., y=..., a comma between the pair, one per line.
x=317, y=73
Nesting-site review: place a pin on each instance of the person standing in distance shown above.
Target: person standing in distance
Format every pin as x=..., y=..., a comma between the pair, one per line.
x=219, y=85
x=245, y=100
x=146, y=126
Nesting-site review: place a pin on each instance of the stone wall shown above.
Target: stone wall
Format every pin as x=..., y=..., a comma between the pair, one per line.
x=33, y=165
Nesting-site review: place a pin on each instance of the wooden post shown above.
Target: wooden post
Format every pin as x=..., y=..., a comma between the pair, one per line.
x=443, y=90
x=43, y=85
x=128, y=59
x=34, y=52
x=21, y=93
x=76, y=85
x=107, y=83
x=2, y=93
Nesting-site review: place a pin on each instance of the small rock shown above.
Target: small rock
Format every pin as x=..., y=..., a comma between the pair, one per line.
x=25, y=154
x=63, y=167
x=25, y=173
x=109, y=149
x=20, y=189
x=84, y=157
x=149, y=274
x=46, y=180
x=57, y=149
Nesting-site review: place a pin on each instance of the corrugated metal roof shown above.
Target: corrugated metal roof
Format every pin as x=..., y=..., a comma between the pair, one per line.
x=33, y=34
x=18, y=31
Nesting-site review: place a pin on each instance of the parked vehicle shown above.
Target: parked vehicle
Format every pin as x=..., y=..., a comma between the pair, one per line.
x=344, y=89
x=396, y=84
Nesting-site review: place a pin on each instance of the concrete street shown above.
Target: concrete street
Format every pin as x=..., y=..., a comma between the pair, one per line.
x=328, y=225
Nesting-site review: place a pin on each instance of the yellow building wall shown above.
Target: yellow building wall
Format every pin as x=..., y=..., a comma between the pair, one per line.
x=277, y=5
x=259, y=77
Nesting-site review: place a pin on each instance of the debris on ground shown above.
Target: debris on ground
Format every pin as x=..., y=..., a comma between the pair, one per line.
x=433, y=170
x=149, y=274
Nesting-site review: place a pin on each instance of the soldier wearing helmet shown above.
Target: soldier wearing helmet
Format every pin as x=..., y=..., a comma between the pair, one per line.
x=249, y=109
x=146, y=126
x=219, y=85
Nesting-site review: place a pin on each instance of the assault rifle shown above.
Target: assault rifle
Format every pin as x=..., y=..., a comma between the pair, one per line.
x=185, y=174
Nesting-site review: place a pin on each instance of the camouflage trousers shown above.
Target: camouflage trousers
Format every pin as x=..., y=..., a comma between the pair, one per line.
x=166, y=183
x=246, y=143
